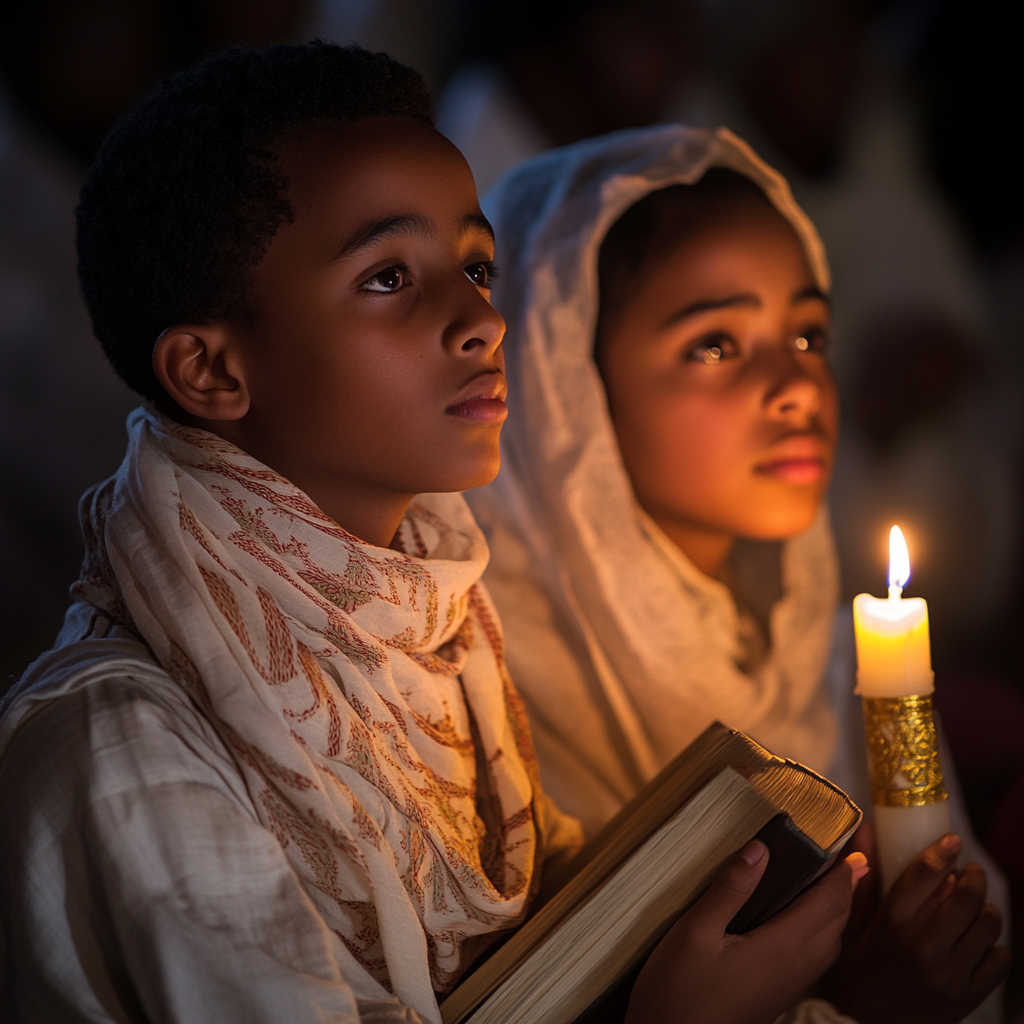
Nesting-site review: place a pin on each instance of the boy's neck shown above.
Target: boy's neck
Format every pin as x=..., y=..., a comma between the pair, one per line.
x=375, y=522
x=707, y=550
x=369, y=512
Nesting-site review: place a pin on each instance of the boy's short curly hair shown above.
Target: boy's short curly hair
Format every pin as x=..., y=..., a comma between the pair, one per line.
x=186, y=195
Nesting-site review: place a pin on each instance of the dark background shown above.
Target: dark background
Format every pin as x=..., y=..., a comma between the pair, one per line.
x=898, y=124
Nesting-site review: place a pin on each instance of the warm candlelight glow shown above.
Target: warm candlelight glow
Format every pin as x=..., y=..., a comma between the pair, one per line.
x=899, y=562
x=893, y=648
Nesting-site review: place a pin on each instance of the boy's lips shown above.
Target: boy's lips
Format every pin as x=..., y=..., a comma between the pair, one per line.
x=484, y=401
x=797, y=460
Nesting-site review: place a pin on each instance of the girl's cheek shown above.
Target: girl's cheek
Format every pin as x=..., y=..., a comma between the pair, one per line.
x=699, y=441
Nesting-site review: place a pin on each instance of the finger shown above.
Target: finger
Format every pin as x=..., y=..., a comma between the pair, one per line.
x=945, y=927
x=921, y=879
x=974, y=944
x=993, y=970
x=937, y=898
x=867, y=898
x=731, y=888
x=859, y=866
x=815, y=919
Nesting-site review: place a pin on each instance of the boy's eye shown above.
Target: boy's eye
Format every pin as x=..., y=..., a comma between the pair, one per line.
x=712, y=350
x=482, y=274
x=814, y=339
x=388, y=280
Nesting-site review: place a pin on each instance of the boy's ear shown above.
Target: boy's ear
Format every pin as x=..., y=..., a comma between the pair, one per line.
x=198, y=366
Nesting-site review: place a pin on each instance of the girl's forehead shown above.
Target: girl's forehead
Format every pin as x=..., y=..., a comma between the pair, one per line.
x=746, y=249
x=724, y=206
x=755, y=230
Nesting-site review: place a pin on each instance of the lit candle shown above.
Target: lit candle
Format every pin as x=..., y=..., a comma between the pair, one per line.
x=895, y=680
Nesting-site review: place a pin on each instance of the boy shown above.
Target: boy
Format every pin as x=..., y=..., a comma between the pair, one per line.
x=275, y=768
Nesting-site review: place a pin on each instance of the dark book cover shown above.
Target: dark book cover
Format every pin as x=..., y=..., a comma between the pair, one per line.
x=794, y=862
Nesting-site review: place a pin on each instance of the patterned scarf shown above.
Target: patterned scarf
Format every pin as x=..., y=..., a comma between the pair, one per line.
x=362, y=691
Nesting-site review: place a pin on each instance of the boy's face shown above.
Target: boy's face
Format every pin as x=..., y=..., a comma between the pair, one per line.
x=724, y=406
x=375, y=366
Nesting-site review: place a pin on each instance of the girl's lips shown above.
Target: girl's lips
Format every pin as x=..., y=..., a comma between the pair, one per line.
x=483, y=410
x=794, y=470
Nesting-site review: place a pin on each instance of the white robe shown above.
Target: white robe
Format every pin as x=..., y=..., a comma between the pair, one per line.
x=136, y=880
x=298, y=771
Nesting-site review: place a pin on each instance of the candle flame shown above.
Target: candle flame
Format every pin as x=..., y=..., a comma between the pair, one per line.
x=899, y=562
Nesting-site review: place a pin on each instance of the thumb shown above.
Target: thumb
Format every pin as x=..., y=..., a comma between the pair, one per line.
x=731, y=888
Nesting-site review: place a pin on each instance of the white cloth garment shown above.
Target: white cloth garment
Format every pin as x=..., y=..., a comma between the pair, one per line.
x=336, y=716
x=623, y=651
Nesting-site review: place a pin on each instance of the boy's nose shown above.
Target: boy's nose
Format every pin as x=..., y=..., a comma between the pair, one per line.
x=476, y=329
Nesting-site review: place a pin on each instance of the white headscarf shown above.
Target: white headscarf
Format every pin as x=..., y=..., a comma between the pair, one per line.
x=623, y=650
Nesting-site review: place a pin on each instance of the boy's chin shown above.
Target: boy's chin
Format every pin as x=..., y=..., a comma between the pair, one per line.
x=477, y=473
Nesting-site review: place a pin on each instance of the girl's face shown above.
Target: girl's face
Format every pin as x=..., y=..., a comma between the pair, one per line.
x=722, y=399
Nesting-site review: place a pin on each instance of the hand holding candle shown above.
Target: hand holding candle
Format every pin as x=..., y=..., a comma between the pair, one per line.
x=895, y=680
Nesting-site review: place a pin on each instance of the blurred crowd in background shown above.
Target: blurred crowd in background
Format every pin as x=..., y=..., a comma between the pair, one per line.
x=896, y=122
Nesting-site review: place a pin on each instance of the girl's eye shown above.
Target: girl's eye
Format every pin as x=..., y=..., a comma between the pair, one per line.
x=711, y=351
x=482, y=274
x=390, y=280
x=814, y=339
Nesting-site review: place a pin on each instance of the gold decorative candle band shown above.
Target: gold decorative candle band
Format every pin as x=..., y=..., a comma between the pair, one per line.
x=903, y=748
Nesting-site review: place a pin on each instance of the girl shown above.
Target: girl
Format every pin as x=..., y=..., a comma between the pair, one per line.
x=660, y=552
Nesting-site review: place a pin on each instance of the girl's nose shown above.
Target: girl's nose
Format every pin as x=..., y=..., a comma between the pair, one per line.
x=796, y=395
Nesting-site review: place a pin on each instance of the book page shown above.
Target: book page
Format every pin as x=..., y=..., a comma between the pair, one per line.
x=822, y=812
x=605, y=936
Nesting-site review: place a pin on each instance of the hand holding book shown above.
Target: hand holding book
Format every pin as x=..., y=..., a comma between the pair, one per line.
x=674, y=883
x=700, y=973
x=629, y=885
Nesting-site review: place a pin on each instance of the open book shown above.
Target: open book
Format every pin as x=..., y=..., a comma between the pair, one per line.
x=628, y=885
